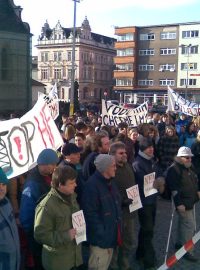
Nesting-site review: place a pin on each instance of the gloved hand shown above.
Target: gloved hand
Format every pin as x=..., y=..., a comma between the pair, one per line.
x=159, y=184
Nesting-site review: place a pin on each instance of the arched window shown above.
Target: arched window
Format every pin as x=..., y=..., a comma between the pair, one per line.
x=4, y=64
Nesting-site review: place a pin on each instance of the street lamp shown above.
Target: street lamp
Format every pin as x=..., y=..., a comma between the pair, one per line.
x=188, y=51
x=73, y=60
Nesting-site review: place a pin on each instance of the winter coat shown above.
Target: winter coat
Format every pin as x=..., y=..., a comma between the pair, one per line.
x=53, y=220
x=167, y=149
x=195, y=148
x=142, y=167
x=102, y=210
x=9, y=240
x=184, y=183
x=34, y=188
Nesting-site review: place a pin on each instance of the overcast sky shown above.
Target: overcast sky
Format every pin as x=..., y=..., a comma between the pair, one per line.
x=104, y=15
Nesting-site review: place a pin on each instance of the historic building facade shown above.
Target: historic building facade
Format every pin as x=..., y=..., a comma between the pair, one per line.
x=15, y=60
x=93, y=61
x=151, y=58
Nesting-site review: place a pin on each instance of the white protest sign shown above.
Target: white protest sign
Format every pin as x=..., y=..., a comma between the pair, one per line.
x=52, y=102
x=148, y=184
x=134, y=195
x=79, y=224
x=22, y=139
x=114, y=114
x=176, y=103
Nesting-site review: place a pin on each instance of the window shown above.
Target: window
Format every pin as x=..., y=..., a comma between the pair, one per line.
x=146, y=52
x=164, y=67
x=190, y=34
x=166, y=82
x=69, y=71
x=69, y=56
x=145, y=82
x=4, y=65
x=125, y=52
x=44, y=56
x=126, y=37
x=146, y=67
x=125, y=67
x=190, y=50
x=150, y=36
x=58, y=56
x=124, y=82
x=57, y=73
x=168, y=35
x=44, y=74
x=188, y=66
x=183, y=82
x=167, y=51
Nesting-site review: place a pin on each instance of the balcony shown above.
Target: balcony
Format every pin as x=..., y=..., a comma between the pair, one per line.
x=123, y=74
x=124, y=44
x=124, y=59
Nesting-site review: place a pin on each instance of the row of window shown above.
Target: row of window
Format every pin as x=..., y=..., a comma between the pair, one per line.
x=170, y=67
x=163, y=51
x=86, y=57
x=162, y=82
x=87, y=74
x=170, y=35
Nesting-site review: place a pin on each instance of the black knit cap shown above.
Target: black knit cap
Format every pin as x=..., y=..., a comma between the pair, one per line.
x=145, y=143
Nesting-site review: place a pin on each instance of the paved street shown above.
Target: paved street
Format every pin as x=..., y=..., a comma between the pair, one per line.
x=161, y=235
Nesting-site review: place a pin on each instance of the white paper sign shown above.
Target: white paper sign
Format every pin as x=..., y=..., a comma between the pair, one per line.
x=148, y=184
x=133, y=194
x=78, y=222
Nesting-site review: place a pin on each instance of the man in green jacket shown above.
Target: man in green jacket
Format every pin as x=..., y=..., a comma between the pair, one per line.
x=53, y=222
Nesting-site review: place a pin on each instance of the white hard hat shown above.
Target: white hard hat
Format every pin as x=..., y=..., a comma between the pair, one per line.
x=184, y=152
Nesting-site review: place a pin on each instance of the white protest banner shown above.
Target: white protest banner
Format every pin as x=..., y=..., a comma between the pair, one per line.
x=114, y=114
x=22, y=139
x=52, y=102
x=148, y=184
x=134, y=195
x=176, y=103
x=78, y=222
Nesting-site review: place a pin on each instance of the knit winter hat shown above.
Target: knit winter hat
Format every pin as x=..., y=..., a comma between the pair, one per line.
x=3, y=177
x=47, y=156
x=103, y=161
x=145, y=143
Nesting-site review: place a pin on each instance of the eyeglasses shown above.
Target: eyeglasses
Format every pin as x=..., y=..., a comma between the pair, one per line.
x=187, y=157
x=122, y=153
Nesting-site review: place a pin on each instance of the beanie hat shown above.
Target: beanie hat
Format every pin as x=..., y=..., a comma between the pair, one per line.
x=103, y=161
x=145, y=143
x=3, y=177
x=184, y=152
x=70, y=148
x=47, y=156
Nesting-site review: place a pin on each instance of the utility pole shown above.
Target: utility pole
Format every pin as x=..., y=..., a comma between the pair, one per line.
x=73, y=60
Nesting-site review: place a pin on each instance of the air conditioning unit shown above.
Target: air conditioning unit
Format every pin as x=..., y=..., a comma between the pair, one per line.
x=161, y=69
x=172, y=69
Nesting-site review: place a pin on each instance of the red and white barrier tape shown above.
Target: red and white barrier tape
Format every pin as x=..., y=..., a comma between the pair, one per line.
x=181, y=252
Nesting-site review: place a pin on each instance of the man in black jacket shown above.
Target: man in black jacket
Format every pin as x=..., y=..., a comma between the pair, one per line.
x=184, y=185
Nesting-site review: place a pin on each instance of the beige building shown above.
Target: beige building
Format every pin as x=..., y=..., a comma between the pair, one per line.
x=93, y=61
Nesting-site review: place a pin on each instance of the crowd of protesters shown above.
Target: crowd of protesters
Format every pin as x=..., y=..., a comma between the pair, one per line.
x=92, y=171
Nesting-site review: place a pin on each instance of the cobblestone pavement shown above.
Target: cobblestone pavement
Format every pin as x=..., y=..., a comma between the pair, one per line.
x=163, y=219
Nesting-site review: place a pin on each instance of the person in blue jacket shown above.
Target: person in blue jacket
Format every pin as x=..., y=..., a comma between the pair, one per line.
x=38, y=184
x=9, y=239
x=102, y=210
